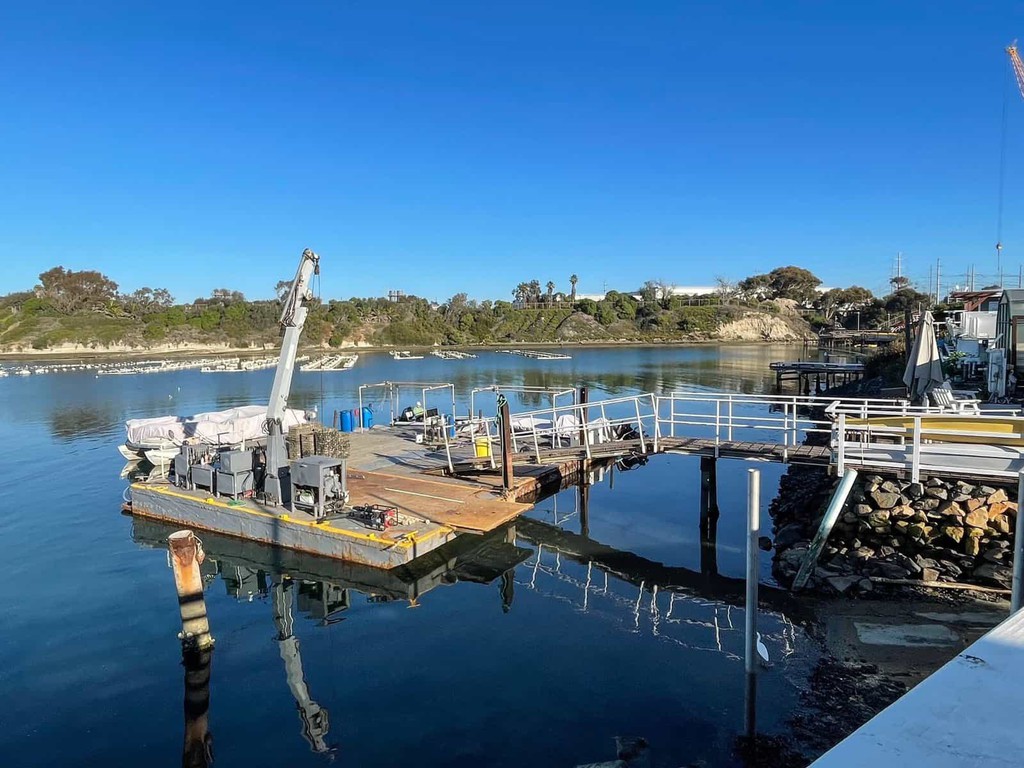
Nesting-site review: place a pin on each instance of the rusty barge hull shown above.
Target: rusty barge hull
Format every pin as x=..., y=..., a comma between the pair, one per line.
x=341, y=539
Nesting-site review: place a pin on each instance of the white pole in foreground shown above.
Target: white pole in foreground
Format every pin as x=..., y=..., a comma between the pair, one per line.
x=753, y=531
x=1017, y=596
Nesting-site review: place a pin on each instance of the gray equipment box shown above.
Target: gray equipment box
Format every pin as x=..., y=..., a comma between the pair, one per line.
x=204, y=476
x=318, y=483
x=236, y=461
x=234, y=484
x=181, y=470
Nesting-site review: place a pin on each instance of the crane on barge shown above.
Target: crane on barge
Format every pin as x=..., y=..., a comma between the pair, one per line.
x=293, y=317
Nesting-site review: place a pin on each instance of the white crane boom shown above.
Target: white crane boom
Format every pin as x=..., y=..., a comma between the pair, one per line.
x=293, y=317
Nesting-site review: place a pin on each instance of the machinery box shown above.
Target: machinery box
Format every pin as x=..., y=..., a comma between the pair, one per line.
x=236, y=461
x=204, y=476
x=234, y=484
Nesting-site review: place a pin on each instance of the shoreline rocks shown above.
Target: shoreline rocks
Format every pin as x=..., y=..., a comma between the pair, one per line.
x=932, y=531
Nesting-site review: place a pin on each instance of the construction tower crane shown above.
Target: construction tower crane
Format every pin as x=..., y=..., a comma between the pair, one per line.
x=1018, y=71
x=1018, y=67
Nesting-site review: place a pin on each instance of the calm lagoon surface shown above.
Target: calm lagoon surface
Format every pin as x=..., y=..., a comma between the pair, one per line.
x=521, y=654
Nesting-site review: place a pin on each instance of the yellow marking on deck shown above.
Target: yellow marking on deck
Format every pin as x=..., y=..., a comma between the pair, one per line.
x=409, y=537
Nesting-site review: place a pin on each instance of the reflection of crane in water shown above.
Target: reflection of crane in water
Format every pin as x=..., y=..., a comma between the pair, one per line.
x=315, y=721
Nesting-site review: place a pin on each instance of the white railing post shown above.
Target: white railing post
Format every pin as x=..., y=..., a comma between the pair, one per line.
x=536, y=442
x=640, y=426
x=718, y=421
x=841, y=444
x=915, y=465
x=729, y=438
x=657, y=422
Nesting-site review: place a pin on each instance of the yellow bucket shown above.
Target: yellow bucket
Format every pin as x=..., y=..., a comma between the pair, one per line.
x=483, y=448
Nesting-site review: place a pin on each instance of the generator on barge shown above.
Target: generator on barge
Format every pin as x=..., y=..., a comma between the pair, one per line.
x=259, y=494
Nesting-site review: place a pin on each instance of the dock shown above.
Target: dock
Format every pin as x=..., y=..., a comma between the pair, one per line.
x=966, y=713
x=840, y=338
x=825, y=375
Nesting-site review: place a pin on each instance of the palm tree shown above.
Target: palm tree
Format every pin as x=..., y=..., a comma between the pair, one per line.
x=572, y=281
x=551, y=292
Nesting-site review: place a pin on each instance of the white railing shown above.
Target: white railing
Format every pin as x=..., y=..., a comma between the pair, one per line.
x=726, y=418
x=961, y=444
x=587, y=424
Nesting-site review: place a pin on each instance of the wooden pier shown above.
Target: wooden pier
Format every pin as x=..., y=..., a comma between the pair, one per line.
x=825, y=375
x=840, y=338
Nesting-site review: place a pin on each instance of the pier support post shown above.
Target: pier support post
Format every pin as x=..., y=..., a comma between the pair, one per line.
x=584, y=490
x=709, y=515
x=506, y=445
x=1017, y=595
x=186, y=557
x=753, y=531
x=197, y=751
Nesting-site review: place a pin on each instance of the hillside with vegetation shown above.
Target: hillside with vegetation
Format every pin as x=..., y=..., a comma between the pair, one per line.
x=82, y=310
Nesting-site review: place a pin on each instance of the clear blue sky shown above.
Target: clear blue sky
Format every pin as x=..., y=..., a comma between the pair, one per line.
x=444, y=146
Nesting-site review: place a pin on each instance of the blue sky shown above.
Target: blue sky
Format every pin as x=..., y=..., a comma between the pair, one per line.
x=447, y=146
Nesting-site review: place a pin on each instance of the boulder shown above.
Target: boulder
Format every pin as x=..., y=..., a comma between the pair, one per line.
x=914, y=490
x=764, y=543
x=929, y=574
x=928, y=504
x=955, y=532
x=863, y=510
x=932, y=482
x=842, y=584
x=972, y=544
x=993, y=554
x=998, y=508
x=994, y=574
x=890, y=487
x=998, y=496
x=936, y=492
x=1001, y=524
x=903, y=511
x=984, y=490
x=977, y=519
x=964, y=487
x=884, y=499
x=973, y=504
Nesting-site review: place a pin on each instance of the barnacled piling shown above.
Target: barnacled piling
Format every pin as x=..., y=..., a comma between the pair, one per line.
x=186, y=557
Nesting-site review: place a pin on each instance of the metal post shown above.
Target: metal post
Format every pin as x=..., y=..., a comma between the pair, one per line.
x=753, y=531
x=584, y=394
x=1018, y=548
x=186, y=556
x=506, y=445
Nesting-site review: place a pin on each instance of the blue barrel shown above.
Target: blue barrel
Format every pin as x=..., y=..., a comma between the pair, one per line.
x=367, y=417
x=346, y=421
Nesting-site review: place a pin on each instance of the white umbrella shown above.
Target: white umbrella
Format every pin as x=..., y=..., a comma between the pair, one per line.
x=924, y=370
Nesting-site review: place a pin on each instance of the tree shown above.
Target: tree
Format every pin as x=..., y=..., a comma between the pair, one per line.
x=281, y=289
x=794, y=283
x=899, y=282
x=551, y=292
x=840, y=301
x=226, y=295
x=573, y=279
x=527, y=293
x=69, y=291
x=649, y=293
x=725, y=289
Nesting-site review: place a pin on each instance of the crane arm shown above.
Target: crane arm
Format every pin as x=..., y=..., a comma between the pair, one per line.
x=1018, y=67
x=293, y=317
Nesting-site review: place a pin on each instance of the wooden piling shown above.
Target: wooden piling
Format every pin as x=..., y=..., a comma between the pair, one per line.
x=186, y=557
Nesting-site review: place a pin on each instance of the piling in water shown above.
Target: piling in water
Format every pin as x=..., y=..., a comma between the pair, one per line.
x=197, y=751
x=186, y=557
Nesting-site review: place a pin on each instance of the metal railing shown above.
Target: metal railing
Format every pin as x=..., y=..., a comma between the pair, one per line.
x=918, y=443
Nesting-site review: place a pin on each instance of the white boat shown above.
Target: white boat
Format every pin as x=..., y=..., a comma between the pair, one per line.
x=158, y=439
x=405, y=355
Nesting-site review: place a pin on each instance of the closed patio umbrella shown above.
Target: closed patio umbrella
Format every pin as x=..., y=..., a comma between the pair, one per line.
x=924, y=370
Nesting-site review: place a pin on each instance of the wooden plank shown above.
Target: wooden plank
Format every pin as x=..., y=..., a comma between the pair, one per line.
x=458, y=505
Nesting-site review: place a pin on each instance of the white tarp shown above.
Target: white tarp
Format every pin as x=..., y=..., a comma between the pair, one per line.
x=228, y=427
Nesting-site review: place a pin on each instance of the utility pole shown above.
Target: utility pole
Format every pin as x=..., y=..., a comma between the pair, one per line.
x=938, y=280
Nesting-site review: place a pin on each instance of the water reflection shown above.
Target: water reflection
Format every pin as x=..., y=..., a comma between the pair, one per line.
x=72, y=422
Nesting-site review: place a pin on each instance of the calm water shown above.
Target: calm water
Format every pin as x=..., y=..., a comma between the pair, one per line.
x=521, y=655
